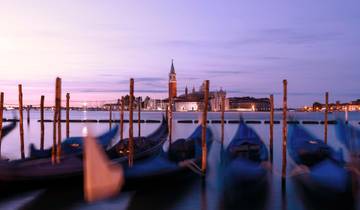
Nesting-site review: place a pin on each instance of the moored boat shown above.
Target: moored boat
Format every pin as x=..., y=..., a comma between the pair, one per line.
x=27, y=174
x=349, y=136
x=324, y=182
x=8, y=128
x=243, y=175
x=181, y=161
x=74, y=145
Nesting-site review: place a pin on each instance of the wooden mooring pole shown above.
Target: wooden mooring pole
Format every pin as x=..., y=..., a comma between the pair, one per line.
x=347, y=114
x=204, y=124
x=170, y=118
x=67, y=115
x=326, y=117
x=42, y=125
x=122, y=118
x=284, y=139
x=21, y=122
x=139, y=116
x=131, y=135
x=222, y=118
x=167, y=113
x=271, y=128
x=1, y=118
x=53, y=149
x=58, y=105
x=28, y=113
x=110, y=116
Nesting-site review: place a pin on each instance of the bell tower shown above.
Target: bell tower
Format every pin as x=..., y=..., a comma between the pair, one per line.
x=172, y=81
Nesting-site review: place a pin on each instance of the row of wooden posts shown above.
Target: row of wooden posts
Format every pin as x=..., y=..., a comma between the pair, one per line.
x=56, y=149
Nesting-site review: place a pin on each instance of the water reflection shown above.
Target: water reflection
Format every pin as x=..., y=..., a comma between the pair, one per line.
x=162, y=197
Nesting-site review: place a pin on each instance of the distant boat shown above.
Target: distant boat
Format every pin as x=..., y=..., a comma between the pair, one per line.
x=245, y=180
x=323, y=180
x=74, y=145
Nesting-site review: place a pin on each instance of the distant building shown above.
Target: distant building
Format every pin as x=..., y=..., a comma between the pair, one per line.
x=215, y=101
x=172, y=81
x=248, y=104
x=338, y=106
x=354, y=105
x=156, y=104
x=194, y=100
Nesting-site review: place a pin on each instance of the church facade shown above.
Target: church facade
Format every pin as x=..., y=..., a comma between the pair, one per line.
x=194, y=100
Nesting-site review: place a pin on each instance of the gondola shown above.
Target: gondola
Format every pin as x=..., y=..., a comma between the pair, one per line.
x=349, y=136
x=180, y=162
x=74, y=145
x=8, y=128
x=244, y=179
x=323, y=180
x=27, y=174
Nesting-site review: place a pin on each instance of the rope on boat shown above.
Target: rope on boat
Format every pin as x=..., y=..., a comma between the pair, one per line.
x=298, y=170
x=192, y=166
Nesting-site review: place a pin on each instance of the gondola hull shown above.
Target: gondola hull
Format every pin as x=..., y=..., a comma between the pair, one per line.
x=74, y=145
x=245, y=180
x=246, y=186
x=163, y=169
x=30, y=174
x=326, y=184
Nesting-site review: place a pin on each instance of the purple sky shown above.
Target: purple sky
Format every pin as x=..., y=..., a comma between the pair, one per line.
x=246, y=47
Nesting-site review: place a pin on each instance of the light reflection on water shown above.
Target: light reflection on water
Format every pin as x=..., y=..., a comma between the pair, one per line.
x=197, y=195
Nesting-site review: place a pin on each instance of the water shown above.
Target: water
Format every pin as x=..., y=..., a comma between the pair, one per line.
x=195, y=195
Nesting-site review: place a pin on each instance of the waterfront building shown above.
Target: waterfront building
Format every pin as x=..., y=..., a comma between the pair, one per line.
x=248, y=104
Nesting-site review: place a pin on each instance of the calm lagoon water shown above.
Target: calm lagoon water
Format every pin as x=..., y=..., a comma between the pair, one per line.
x=197, y=195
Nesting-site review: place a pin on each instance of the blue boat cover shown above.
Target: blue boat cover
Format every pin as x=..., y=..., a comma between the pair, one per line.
x=243, y=156
x=348, y=135
x=74, y=144
x=162, y=164
x=329, y=174
x=301, y=143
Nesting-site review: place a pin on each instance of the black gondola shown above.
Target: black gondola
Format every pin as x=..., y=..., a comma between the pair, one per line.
x=8, y=128
x=179, y=162
x=20, y=175
x=74, y=145
x=349, y=136
x=244, y=179
x=324, y=183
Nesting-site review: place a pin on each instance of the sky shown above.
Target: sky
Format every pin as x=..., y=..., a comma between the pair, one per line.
x=244, y=47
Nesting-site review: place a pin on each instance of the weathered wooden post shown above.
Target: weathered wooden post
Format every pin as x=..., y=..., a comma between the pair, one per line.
x=58, y=103
x=347, y=114
x=28, y=113
x=42, y=125
x=110, y=116
x=167, y=113
x=1, y=117
x=222, y=118
x=139, y=117
x=170, y=118
x=21, y=122
x=67, y=115
x=326, y=117
x=131, y=135
x=284, y=139
x=204, y=124
x=122, y=118
x=271, y=128
x=54, y=147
